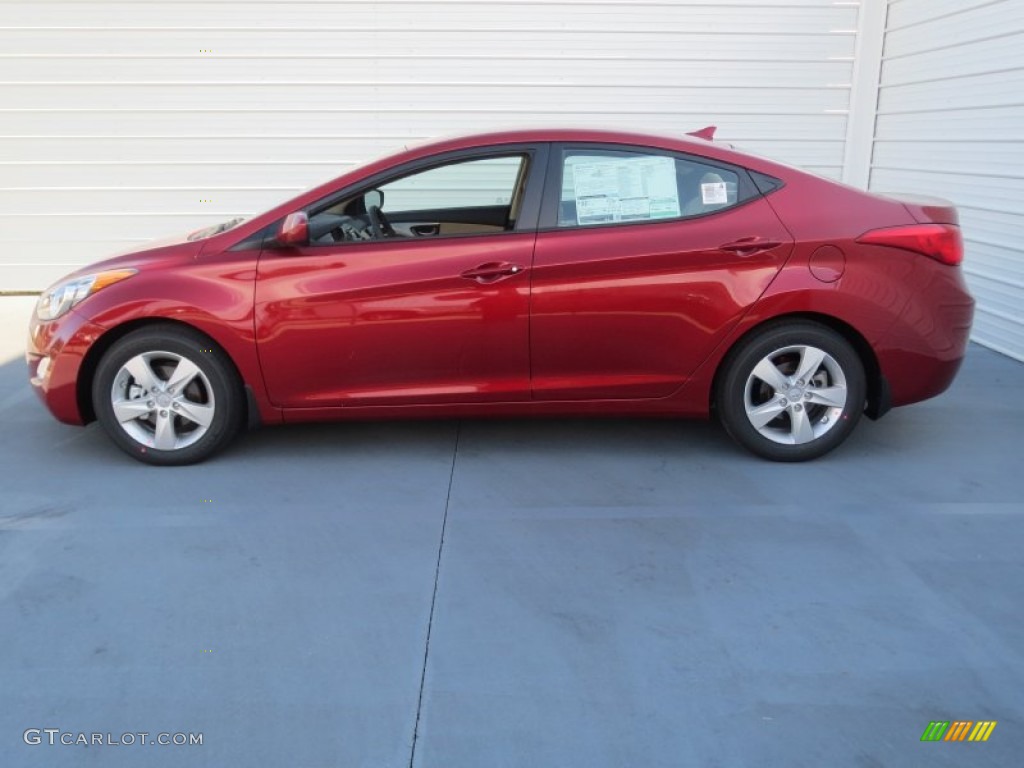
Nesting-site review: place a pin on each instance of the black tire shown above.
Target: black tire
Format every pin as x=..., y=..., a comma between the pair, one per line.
x=216, y=389
x=786, y=346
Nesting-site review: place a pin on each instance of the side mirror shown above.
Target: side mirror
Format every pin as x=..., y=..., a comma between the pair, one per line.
x=294, y=230
x=373, y=199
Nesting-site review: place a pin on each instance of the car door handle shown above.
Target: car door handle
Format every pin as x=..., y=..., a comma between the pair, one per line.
x=748, y=246
x=492, y=271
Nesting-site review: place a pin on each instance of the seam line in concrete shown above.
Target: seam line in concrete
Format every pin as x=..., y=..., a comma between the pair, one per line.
x=433, y=597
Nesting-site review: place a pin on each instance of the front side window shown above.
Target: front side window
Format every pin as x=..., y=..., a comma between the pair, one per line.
x=616, y=187
x=471, y=184
x=475, y=196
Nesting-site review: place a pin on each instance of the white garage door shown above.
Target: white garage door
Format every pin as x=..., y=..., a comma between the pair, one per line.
x=951, y=123
x=124, y=121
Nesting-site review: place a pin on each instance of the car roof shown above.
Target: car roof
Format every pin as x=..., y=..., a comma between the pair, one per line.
x=673, y=142
x=563, y=134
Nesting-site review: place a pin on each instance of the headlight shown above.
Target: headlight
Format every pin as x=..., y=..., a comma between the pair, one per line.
x=58, y=299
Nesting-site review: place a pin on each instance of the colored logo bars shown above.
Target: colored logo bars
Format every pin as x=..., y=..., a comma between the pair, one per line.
x=958, y=730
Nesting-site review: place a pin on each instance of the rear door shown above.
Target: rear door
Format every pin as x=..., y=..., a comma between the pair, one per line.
x=645, y=260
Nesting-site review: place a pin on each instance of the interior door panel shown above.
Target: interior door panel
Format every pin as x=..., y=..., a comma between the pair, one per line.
x=492, y=216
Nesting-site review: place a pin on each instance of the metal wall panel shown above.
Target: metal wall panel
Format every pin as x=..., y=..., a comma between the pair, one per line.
x=125, y=120
x=951, y=123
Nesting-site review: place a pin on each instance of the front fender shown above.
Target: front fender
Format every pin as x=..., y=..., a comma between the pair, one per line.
x=214, y=296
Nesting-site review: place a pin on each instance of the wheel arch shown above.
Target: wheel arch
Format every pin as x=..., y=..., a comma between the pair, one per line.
x=87, y=371
x=877, y=387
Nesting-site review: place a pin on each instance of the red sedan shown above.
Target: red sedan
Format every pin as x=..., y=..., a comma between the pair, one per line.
x=523, y=273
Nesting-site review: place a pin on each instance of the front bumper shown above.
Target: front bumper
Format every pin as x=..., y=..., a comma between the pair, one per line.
x=55, y=352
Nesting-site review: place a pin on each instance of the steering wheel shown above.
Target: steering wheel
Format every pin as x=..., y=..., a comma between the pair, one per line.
x=379, y=223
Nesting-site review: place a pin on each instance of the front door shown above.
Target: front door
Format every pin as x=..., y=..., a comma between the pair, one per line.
x=416, y=291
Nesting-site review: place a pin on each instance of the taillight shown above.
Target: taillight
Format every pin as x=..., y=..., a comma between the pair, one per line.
x=941, y=242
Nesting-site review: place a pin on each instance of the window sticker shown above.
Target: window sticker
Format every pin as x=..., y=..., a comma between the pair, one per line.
x=625, y=189
x=595, y=209
x=635, y=208
x=714, y=193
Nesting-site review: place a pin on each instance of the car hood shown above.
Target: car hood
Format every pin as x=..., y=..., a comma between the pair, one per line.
x=163, y=251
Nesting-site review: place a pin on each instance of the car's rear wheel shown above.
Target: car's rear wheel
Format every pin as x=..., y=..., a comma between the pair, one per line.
x=167, y=395
x=792, y=392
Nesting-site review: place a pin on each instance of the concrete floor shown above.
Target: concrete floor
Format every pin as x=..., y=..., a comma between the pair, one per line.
x=618, y=593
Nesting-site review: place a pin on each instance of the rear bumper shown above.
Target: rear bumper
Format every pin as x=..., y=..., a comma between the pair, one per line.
x=55, y=351
x=921, y=353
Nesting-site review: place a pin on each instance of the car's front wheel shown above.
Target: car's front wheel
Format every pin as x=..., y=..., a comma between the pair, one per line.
x=792, y=392
x=167, y=395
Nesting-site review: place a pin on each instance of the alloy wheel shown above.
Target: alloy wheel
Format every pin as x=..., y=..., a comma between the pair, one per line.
x=162, y=400
x=795, y=395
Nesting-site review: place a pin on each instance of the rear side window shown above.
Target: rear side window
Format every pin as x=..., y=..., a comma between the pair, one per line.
x=619, y=187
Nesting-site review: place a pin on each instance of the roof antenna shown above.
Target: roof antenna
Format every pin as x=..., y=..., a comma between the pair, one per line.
x=708, y=134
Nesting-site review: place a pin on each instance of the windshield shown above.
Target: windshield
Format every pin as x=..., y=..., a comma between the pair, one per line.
x=216, y=229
